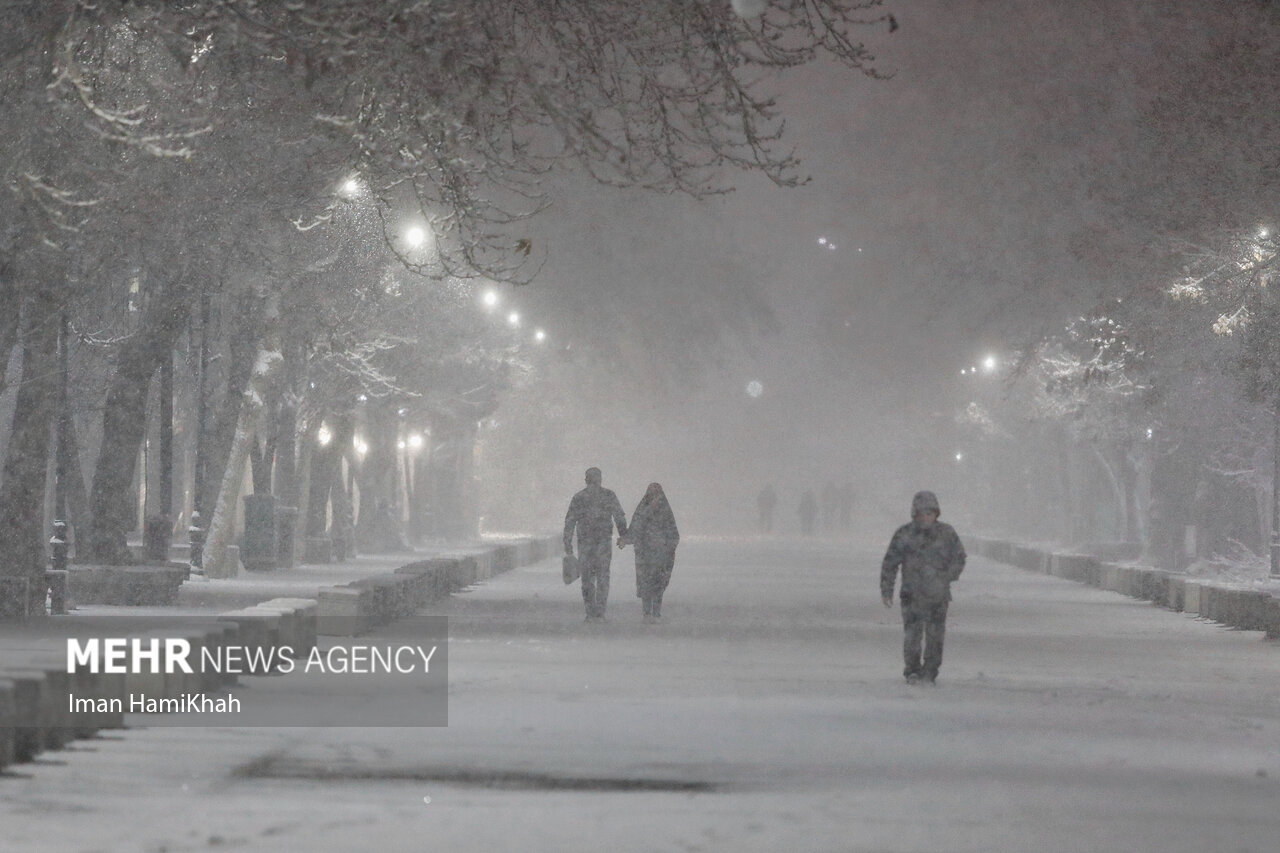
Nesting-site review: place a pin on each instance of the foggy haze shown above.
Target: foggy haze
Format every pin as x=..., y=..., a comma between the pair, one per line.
x=961, y=195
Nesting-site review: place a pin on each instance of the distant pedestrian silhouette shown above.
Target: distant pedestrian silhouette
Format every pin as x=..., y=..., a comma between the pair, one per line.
x=765, y=502
x=830, y=506
x=846, y=506
x=808, y=512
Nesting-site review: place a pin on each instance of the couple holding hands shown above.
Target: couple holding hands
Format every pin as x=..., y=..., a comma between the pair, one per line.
x=592, y=514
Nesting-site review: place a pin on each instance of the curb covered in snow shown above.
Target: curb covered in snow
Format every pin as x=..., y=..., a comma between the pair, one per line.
x=1249, y=610
x=35, y=718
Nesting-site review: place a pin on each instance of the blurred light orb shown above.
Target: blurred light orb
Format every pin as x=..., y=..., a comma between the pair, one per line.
x=1263, y=234
x=415, y=236
x=539, y=336
x=490, y=298
x=360, y=445
x=401, y=445
x=754, y=388
x=989, y=363
x=959, y=457
x=323, y=436
x=514, y=319
x=822, y=241
x=351, y=187
x=749, y=8
x=415, y=440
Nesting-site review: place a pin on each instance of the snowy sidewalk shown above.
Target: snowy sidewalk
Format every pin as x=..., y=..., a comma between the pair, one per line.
x=767, y=712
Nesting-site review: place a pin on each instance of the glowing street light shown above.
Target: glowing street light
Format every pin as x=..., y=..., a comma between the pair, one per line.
x=490, y=298
x=513, y=319
x=415, y=440
x=351, y=187
x=989, y=363
x=323, y=436
x=415, y=237
x=754, y=388
x=360, y=445
x=539, y=336
x=959, y=457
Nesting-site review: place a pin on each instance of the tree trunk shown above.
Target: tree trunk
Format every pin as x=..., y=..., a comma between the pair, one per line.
x=248, y=424
x=378, y=527
x=243, y=346
x=1119, y=494
x=22, y=499
x=124, y=427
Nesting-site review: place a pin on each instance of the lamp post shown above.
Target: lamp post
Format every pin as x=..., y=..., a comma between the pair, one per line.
x=1267, y=295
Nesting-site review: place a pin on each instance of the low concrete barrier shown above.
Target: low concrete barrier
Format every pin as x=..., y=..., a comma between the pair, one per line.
x=344, y=611
x=8, y=722
x=432, y=579
x=259, y=634
x=1250, y=610
x=300, y=622
x=125, y=585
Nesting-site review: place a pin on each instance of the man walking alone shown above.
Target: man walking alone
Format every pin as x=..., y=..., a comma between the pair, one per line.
x=931, y=557
x=593, y=513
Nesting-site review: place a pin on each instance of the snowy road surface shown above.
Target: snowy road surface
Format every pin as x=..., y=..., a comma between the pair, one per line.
x=768, y=713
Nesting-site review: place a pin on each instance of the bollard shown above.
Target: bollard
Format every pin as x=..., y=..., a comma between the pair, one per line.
x=57, y=584
x=58, y=544
x=196, y=535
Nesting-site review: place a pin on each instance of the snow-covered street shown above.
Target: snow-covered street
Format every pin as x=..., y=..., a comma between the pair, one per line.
x=767, y=713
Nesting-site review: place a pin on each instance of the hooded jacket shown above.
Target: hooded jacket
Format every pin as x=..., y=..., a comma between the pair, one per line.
x=930, y=557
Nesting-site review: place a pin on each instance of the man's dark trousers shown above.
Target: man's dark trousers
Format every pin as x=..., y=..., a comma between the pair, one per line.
x=593, y=560
x=923, y=621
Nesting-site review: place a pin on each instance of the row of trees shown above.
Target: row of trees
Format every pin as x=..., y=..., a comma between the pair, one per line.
x=1147, y=421
x=1151, y=418
x=284, y=210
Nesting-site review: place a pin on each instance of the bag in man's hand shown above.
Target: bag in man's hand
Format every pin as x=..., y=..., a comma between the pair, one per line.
x=569, y=569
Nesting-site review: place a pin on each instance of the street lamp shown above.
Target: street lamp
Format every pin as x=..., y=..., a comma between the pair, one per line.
x=539, y=335
x=513, y=319
x=351, y=187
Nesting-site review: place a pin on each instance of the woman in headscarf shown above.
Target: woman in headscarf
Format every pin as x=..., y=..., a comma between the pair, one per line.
x=653, y=531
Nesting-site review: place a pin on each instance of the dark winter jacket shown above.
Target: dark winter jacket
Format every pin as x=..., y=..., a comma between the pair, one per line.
x=593, y=512
x=653, y=530
x=930, y=558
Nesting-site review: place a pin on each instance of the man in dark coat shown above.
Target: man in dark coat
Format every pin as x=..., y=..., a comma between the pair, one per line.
x=931, y=556
x=593, y=513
